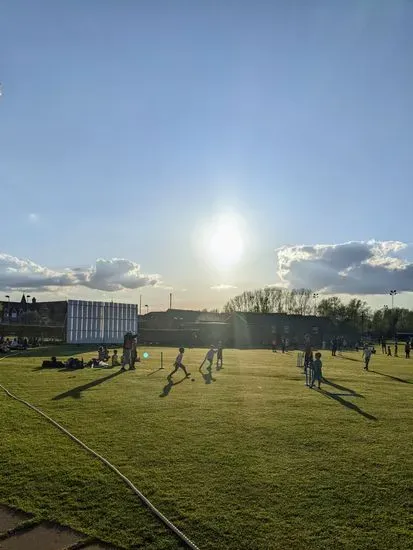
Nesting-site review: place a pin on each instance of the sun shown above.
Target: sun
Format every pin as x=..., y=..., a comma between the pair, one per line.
x=225, y=243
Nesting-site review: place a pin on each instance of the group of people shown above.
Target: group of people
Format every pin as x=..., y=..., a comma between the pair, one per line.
x=209, y=358
x=17, y=343
x=312, y=367
x=128, y=358
x=386, y=349
x=284, y=345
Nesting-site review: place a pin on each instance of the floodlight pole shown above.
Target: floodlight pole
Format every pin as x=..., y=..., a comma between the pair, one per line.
x=170, y=300
x=315, y=296
x=140, y=304
x=393, y=294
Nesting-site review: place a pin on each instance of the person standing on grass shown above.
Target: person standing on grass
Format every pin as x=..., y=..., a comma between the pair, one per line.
x=127, y=350
x=396, y=349
x=219, y=356
x=389, y=351
x=383, y=345
x=316, y=371
x=407, y=349
x=367, y=355
x=308, y=364
x=334, y=347
x=209, y=357
x=134, y=354
x=179, y=365
x=274, y=346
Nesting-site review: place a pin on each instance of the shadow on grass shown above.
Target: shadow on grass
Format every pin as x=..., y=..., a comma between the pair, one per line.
x=350, y=358
x=392, y=377
x=207, y=376
x=169, y=385
x=57, y=350
x=77, y=392
x=155, y=371
x=347, y=404
x=349, y=392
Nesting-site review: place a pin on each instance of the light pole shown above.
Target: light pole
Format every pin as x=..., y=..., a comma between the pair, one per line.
x=8, y=308
x=140, y=304
x=392, y=294
x=315, y=296
x=147, y=309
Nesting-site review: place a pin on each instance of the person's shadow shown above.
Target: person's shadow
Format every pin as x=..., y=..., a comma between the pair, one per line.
x=169, y=385
x=207, y=376
x=392, y=377
x=347, y=404
x=348, y=391
x=77, y=392
x=350, y=358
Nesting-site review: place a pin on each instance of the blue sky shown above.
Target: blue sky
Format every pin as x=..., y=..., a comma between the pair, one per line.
x=127, y=127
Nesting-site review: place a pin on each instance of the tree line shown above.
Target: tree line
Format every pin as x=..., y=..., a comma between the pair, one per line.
x=303, y=301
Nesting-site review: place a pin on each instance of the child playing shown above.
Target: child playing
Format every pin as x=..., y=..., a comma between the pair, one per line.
x=219, y=356
x=179, y=365
x=115, y=359
x=209, y=357
x=367, y=355
x=308, y=365
x=317, y=373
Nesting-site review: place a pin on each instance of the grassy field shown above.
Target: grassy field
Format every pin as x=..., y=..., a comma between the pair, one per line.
x=251, y=459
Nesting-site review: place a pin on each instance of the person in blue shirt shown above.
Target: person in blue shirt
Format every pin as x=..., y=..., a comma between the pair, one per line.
x=317, y=373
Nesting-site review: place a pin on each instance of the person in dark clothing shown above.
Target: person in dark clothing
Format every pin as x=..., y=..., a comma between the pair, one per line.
x=308, y=364
x=220, y=356
x=407, y=349
x=316, y=371
x=383, y=345
x=334, y=347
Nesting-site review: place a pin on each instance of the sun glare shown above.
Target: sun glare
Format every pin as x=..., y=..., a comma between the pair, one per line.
x=225, y=243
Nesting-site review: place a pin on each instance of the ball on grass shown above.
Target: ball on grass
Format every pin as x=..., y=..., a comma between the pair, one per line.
x=192, y=379
x=145, y=355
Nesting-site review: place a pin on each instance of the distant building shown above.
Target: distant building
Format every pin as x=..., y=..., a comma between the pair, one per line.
x=238, y=330
x=83, y=321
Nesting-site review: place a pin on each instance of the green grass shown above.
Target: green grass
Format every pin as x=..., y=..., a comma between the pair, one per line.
x=253, y=460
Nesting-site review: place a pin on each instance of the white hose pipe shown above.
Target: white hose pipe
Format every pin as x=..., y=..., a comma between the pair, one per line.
x=148, y=503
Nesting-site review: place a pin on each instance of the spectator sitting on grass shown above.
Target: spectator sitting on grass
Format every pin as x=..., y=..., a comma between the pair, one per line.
x=115, y=359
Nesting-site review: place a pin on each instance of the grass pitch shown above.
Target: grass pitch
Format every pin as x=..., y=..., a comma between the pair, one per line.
x=248, y=458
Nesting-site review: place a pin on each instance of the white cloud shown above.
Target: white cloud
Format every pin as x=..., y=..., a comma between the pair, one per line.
x=357, y=267
x=106, y=275
x=222, y=287
x=33, y=217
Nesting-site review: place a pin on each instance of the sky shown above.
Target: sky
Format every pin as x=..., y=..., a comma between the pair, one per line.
x=205, y=148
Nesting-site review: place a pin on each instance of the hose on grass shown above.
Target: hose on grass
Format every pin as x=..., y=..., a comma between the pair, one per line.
x=147, y=502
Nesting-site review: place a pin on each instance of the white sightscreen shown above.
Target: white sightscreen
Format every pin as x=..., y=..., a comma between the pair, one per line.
x=99, y=322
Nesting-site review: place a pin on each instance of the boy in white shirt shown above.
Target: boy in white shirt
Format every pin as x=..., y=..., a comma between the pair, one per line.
x=209, y=357
x=179, y=365
x=367, y=355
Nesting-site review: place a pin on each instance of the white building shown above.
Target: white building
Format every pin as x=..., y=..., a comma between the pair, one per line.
x=90, y=322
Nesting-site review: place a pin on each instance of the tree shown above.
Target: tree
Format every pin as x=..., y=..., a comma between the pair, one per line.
x=271, y=300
